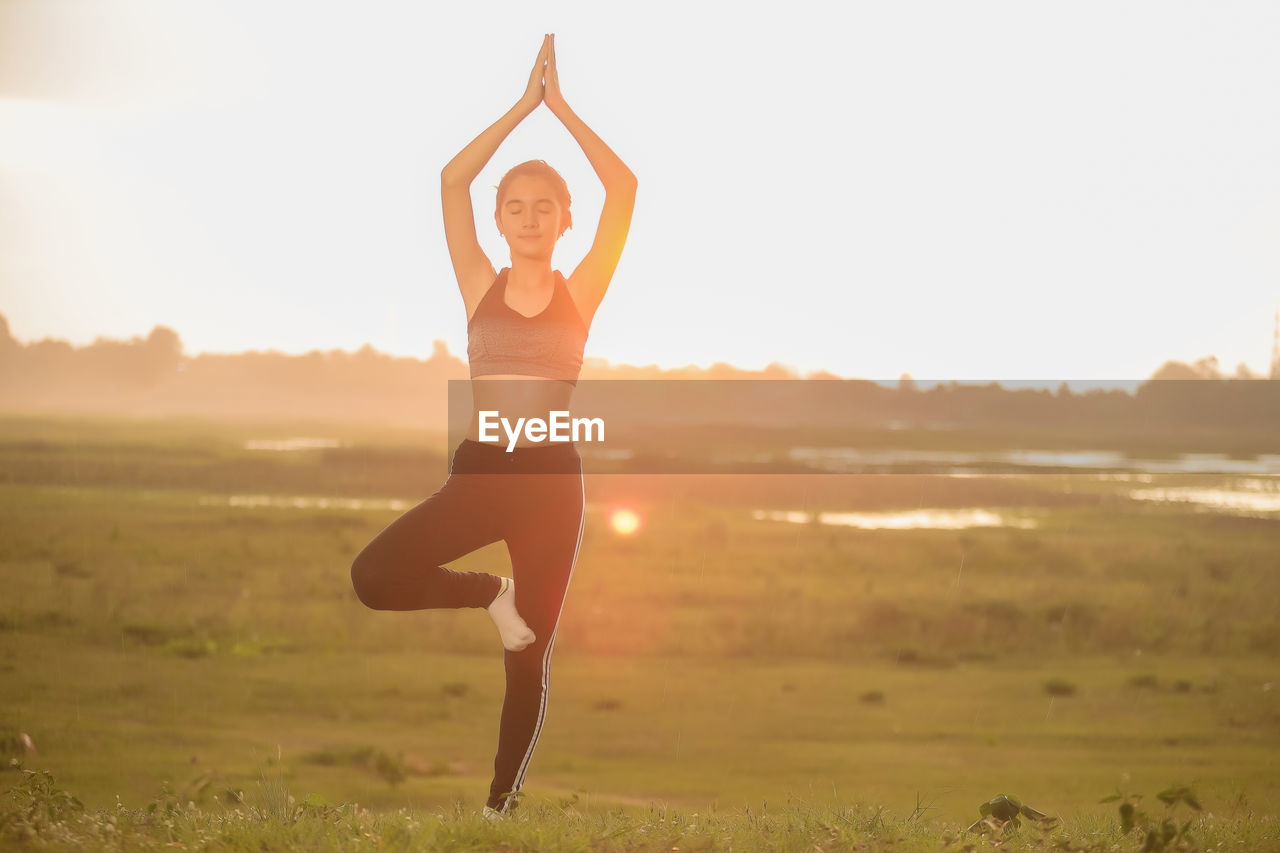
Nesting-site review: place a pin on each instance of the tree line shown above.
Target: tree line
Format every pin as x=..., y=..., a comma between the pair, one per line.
x=152, y=376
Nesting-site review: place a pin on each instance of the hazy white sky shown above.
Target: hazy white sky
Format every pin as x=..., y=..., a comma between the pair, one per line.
x=1004, y=190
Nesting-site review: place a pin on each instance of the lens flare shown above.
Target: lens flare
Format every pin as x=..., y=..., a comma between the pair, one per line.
x=624, y=522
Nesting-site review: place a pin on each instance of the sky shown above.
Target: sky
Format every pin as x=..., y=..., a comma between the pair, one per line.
x=979, y=190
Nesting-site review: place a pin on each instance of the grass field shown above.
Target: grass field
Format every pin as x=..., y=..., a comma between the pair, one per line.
x=177, y=612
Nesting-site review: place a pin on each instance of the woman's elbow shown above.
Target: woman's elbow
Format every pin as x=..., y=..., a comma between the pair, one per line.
x=452, y=177
x=623, y=186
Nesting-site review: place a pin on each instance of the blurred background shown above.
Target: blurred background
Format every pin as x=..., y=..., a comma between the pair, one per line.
x=991, y=190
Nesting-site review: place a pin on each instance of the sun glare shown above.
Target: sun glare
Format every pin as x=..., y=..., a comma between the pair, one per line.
x=624, y=522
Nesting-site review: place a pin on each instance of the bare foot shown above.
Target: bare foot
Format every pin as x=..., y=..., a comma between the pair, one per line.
x=513, y=630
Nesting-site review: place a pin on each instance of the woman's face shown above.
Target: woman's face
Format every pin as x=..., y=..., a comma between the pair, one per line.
x=530, y=217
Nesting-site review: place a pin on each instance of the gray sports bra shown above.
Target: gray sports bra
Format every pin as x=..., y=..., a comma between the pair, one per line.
x=548, y=344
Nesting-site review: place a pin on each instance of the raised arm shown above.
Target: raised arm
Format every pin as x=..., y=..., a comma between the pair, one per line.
x=470, y=264
x=590, y=280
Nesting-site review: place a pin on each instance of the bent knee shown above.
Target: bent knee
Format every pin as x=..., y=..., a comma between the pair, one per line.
x=365, y=582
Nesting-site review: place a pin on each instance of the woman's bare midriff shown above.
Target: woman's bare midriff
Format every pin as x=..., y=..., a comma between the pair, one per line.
x=513, y=397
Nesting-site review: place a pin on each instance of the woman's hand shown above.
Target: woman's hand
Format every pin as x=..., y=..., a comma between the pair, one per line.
x=551, y=93
x=533, y=93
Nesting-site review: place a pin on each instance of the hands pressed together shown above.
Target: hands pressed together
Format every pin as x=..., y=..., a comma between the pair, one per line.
x=474, y=271
x=544, y=81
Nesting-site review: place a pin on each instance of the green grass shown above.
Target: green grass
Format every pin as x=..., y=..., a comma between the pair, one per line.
x=270, y=817
x=151, y=633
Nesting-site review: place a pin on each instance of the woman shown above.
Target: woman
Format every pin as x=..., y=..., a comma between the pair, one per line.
x=526, y=329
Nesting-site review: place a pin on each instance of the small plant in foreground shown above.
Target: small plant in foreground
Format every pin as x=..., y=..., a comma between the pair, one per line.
x=37, y=803
x=1167, y=834
x=1002, y=814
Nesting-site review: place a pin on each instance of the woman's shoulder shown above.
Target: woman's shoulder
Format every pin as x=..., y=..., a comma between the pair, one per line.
x=493, y=291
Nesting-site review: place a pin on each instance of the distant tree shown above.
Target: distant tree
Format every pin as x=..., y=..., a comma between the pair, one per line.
x=49, y=354
x=1207, y=367
x=165, y=341
x=777, y=370
x=1176, y=370
x=163, y=350
x=10, y=349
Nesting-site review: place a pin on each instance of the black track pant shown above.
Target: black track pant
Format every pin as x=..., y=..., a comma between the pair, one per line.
x=532, y=498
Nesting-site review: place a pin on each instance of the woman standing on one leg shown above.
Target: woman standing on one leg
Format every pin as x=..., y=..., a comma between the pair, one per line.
x=526, y=325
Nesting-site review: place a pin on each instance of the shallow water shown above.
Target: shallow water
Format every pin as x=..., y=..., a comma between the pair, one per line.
x=307, y=502
x=288, y=444
x=852, y=460
x=1247, y=499
x=915, y=519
